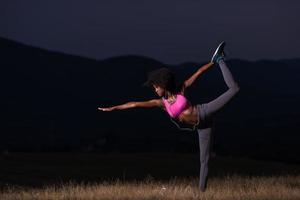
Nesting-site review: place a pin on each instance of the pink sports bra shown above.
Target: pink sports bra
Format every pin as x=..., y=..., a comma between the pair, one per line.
x=177, y=107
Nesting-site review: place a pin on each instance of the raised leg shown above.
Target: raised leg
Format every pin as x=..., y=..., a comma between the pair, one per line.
x=223, y=99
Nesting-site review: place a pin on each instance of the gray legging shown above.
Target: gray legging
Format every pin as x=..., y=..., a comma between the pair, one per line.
x=206, y=112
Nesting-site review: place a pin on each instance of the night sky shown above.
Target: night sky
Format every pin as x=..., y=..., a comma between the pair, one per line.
x=171, y=31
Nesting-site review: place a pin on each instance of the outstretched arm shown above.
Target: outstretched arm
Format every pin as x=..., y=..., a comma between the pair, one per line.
x=202, y=69
x=133, y=104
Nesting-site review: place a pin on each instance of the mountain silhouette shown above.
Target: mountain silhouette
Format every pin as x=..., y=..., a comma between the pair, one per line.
x=49, y=102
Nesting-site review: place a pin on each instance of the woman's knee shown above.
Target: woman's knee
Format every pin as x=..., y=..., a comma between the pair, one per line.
x=235, y=88
x=204, y=159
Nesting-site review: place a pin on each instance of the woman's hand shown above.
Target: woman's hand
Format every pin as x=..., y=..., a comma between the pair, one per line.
x=106, y=109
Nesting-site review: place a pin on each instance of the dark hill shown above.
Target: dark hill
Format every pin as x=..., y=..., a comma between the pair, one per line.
x=49, y=102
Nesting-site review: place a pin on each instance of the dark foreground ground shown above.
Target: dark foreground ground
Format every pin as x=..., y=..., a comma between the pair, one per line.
x=42, y=169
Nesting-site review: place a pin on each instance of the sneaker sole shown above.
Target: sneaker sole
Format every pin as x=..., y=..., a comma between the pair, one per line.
x=217, y=50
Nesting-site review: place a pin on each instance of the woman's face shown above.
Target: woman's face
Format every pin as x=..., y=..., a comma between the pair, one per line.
x=159, y=90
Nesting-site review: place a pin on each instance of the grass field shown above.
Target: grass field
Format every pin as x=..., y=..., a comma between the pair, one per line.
x=143, y=176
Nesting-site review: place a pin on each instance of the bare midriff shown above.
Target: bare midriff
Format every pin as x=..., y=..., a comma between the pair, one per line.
x=189, y=115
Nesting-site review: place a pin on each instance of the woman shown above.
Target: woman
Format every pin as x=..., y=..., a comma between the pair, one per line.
x=172, y=100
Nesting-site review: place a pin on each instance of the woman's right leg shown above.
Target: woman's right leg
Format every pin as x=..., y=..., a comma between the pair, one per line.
x=233, y=88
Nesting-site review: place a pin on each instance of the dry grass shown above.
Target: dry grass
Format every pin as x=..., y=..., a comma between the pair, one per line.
x=230, y=187
x=118, y=176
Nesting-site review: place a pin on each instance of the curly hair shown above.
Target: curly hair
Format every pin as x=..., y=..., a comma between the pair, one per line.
x=164, y=78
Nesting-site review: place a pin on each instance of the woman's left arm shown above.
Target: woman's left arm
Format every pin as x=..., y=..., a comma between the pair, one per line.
x=189, y=82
